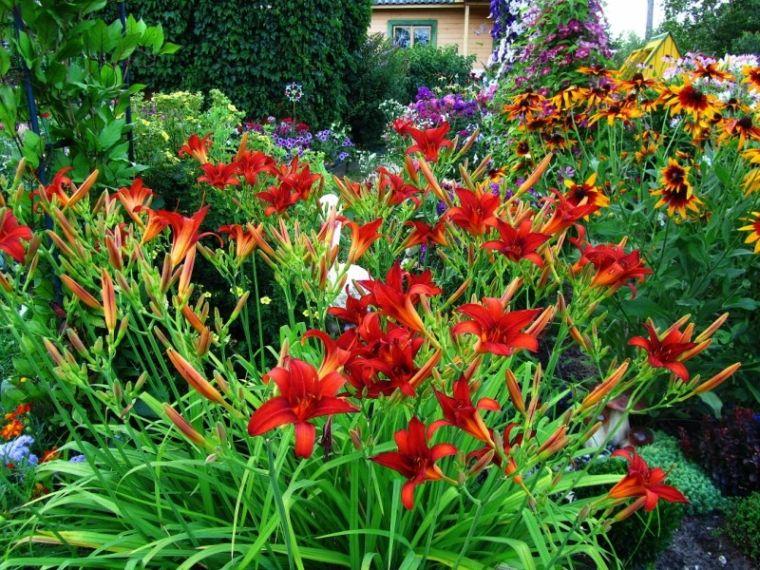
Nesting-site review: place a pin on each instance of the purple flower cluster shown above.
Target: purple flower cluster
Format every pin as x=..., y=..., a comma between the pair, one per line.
x=462, y=111
x=436, y=110
x=296, y=138
x=565, y=35
x=18, y=451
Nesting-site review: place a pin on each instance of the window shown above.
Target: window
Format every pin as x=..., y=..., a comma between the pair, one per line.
x=410, y=33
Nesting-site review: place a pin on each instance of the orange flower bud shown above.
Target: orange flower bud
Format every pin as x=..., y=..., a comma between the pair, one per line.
x=597, y=394
x=52, y=350
x=76, y=342
x=166, y=274
x=712, y=329
x=193, y=377
x=239, y=305
x=81, y=293
x=121, y=280
x=183, y=426
x=193, y=319
x=114, y=253
x=459, y=292
x=203, y=342
x=185, y=276
x=534, y=177
x=580, y=338
x=556, y=441
x=718, y=379
x=433, y=182
x=630, y=509
x=223, y=384
x=512, y=288
x=82, y=191
x=425, y=370
x=514, y=391
x=109, y=300
x=161, y=337
x=542, y=321
x=483, y=462
x=691, y=353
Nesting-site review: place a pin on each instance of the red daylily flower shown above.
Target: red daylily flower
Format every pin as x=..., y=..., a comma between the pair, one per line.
x=667, y=352
x=252, y=163
x=499, y=331
x=354, y=311
x=423, y=234
x=362, y=238
x=397, y=296
x=429, y=142
x=414, y=459
x=518, y=243
x=184, y=230
x=509, y=443
x=197, y=147
x=298, y=181
x=476, y=212
x=134, y=198
x=303, y=397
x=614, y=267
x=399, y=188
x=566, y=213
x=58, y=185
x=246, y=238
x=459, y=410
x=402, y=126
x=11, y=234
x=382, y=361
x=336, y=355
x=643, y=481
x=220, y=175
x=279, y=199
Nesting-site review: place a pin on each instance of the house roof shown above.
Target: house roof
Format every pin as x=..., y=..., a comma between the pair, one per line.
x=411, y=2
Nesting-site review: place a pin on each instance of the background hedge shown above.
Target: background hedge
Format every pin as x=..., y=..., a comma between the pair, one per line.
x=250, y=49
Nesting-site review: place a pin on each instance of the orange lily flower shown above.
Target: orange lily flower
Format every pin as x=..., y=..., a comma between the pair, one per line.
x=197, y=147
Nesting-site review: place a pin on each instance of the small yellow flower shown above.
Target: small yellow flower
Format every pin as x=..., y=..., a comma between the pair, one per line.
x=265, y=300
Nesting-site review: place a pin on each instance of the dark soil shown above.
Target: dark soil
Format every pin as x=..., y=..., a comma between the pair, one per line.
x=701, y=545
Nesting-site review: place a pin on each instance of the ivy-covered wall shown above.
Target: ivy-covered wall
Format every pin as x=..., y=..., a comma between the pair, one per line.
x=250, y=49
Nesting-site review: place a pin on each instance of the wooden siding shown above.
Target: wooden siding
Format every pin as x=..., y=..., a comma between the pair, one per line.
x=450, y=28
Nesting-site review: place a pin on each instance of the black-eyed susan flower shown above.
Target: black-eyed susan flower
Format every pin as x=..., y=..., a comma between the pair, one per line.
x=586, y=193
x=674, y=174
x=688, y=99
x=711, y=71
x=752, y=77
x=676, y=194
x=678, y=200
x=753, y=227
x=751, y=181
x=742, y=128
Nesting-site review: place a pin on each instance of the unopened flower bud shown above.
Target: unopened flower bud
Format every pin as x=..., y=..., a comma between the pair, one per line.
x=185, y=427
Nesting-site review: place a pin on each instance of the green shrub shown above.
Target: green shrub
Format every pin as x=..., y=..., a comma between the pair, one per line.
x=252, y=53
x=166, y=120
x=433, y=67
x=379, y=77
x=683, y=474
x=743, y=525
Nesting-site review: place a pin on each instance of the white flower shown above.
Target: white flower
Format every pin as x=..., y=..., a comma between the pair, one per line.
x=354, y=274
x=328, y=203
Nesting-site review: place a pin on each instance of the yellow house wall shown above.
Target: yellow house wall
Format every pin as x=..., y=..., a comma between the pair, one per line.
x=450, y=27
